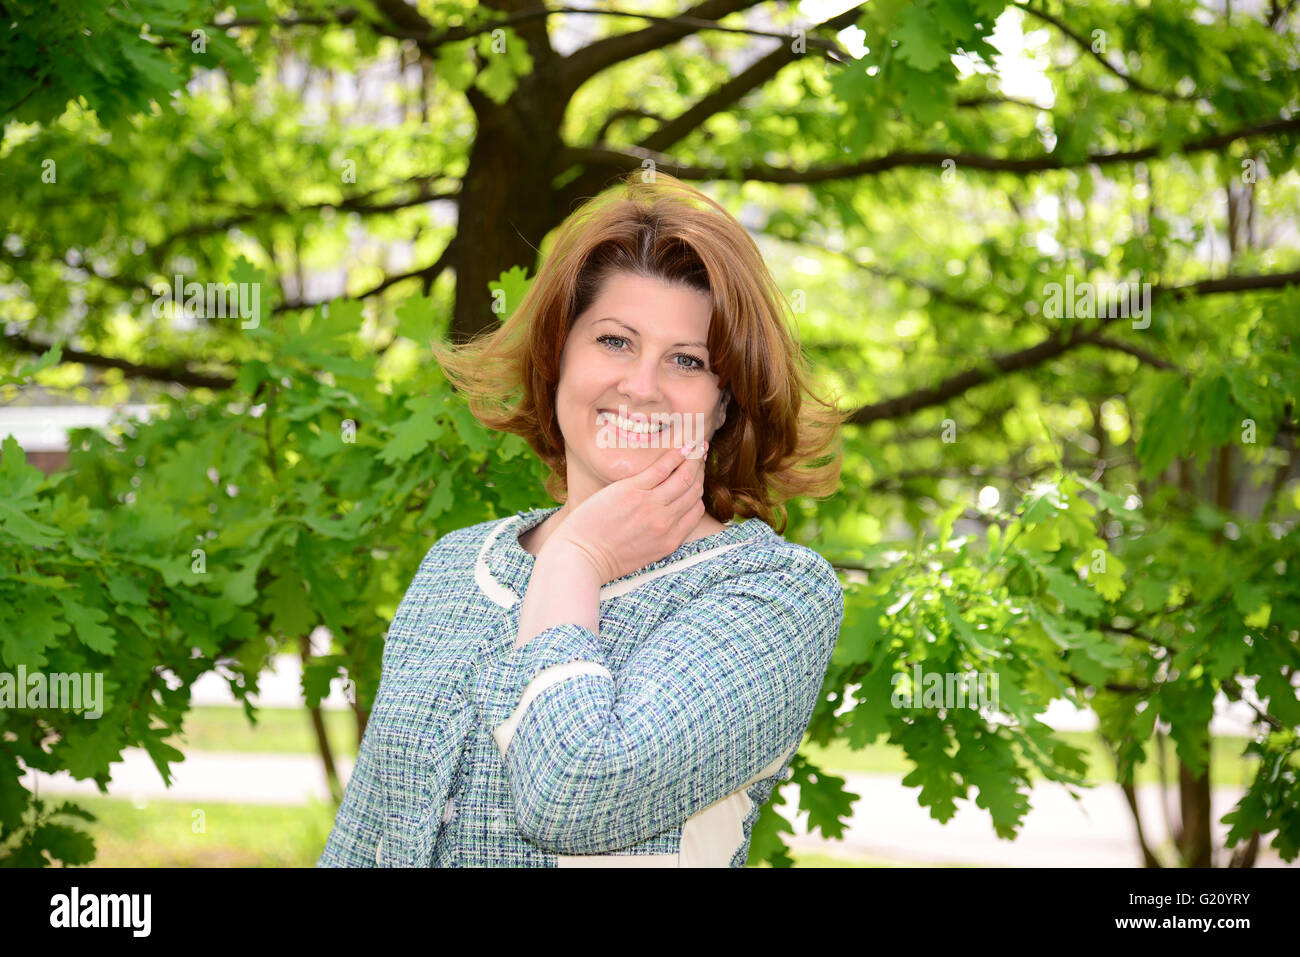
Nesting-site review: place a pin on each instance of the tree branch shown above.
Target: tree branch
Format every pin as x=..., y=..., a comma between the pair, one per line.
x=1129, y=80
x=182, y=374
x=1234, y=693
x=1051, y=347
x=996, y=367
x=728, y=93
x=632, y=157
x=626, y=112
x=179, y=374
x=977, y=102
x=936, y=291
x=428, y=273
x=342, y=17
x=1137, y=352
x=961, y=302
x=584, y=63
x=405, y=23
x=354, y=204
x=1208, y=287
x=404, y=16
x=755, y=75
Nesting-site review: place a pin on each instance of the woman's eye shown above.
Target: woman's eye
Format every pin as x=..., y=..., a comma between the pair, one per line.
x=616, y=344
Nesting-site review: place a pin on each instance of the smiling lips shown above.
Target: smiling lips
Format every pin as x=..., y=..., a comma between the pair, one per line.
x=630, y=426
x=630, y=430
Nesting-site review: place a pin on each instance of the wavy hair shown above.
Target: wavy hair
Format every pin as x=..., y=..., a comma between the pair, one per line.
x=779, y=440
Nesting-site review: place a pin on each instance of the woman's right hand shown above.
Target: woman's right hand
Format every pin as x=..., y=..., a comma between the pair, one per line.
x=640, y=519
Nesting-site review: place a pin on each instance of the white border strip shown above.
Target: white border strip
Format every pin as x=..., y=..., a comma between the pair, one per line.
x=487, y=582
x=544, y=679
x=622, y=588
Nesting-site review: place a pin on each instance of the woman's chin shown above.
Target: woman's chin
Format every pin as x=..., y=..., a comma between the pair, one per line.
x=621, y=463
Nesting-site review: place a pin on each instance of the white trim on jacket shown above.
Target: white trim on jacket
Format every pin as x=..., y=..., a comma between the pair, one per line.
x=506, y=598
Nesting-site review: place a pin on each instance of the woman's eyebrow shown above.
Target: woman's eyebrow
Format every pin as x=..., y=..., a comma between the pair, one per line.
x=701, y=345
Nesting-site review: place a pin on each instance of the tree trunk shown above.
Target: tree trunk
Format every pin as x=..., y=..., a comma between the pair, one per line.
x=1194, y=808
x=508, y=201
x=322, y=739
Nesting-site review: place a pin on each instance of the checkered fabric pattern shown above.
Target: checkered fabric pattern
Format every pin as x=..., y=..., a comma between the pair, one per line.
x=706, y=668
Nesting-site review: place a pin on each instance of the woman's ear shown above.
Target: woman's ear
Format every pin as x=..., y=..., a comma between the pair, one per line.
x=722, y=408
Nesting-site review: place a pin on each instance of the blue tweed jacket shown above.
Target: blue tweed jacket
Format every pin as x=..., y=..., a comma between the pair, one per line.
x=653, y=743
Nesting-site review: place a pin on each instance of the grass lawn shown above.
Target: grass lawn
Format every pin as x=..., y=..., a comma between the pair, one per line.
x=289, y=730
x=163, y=833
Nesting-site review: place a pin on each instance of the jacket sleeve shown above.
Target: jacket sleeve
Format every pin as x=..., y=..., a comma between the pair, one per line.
x=598, y=761
x=358, y=826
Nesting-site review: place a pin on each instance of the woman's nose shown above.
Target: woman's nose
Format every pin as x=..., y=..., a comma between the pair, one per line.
x=641, y=383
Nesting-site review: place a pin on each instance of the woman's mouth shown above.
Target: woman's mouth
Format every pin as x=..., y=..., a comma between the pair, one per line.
x=630, y=431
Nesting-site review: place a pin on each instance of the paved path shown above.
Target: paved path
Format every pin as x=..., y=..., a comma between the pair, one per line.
x=1057, y=831
x=236, y=776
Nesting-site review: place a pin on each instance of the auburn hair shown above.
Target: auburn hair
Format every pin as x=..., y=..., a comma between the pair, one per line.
x=779, y=440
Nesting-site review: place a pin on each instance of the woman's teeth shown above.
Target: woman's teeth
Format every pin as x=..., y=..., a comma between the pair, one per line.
x=628, y=425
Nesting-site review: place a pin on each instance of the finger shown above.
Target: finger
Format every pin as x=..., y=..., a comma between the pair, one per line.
x=675, y=505
x=671, y=491
x=690, y=518
x=678, y=483
x=658, y=470
x=696, y=467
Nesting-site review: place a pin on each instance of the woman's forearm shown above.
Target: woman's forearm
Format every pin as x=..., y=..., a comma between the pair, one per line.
x=564, y=589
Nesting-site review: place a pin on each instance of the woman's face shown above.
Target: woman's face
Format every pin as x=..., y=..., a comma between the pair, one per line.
x=640, y=352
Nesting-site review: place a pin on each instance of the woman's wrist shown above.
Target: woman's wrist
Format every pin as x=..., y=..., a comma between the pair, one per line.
x=564, y=589
x=579, y=559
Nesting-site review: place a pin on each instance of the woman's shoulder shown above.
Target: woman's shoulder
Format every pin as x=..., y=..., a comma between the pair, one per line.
x=773, y=551
x=457, y=547
x=810, y=561
x=470, y=537
x=768, y=561
x=792, y=590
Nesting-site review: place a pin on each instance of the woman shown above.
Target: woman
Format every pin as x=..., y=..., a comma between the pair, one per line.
x=623, y=679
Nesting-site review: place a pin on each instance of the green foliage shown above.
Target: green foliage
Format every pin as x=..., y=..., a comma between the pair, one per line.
x=909, y=65
x=1044, y=603
x=1139, y=557
x=216, y=535
x=119, y=57
x=1274, y=796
